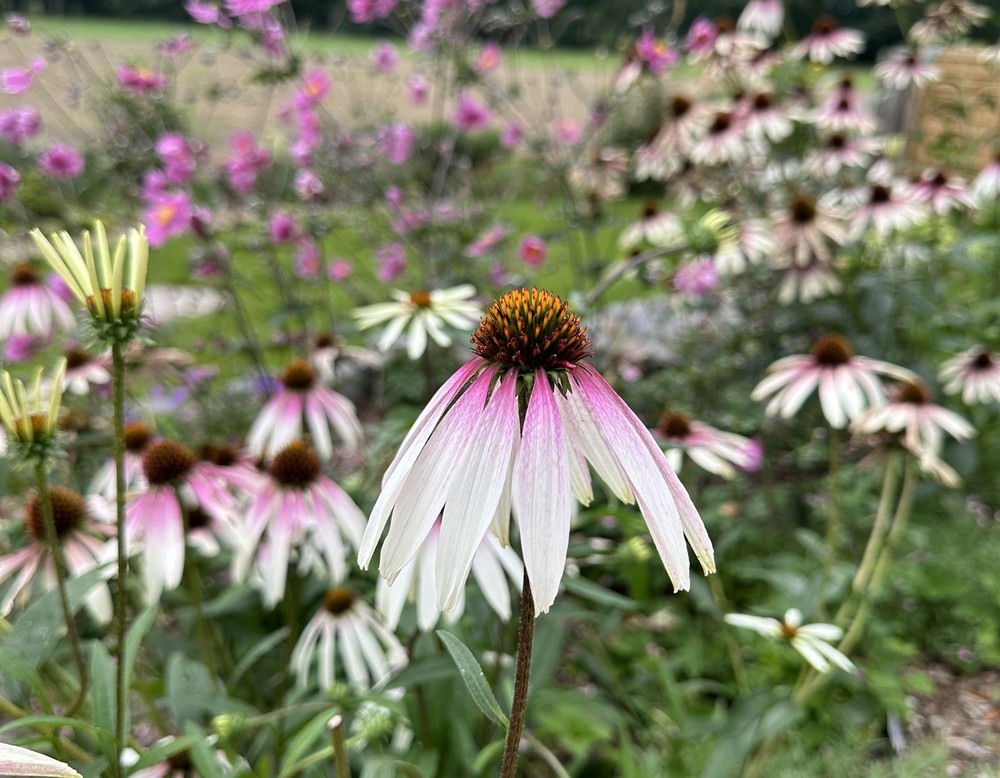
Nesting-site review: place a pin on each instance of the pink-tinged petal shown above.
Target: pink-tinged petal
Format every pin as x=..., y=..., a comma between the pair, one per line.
x=318, y=428
x=342, y=416
x=163, y=552
x=427, y=485
x=372, y=652
x=542, y=498
x=790, y=399
x=15, y=760
x=829, y=399
x=500, y=524
x=303, y=651
x=288, y=425
x=405, y=458
x=476, y=491
x=427, y=609
x=14, y=561
x=492, y=582
x=332, y=544
x=24, y=578
x=645, y=472
x=275, y=567
x=585, y=436
x=347, y=513
x=263, y=425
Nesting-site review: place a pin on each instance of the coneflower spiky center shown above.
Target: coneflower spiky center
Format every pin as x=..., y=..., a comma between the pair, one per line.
x=299, y=376
x=167, y=461
x=76, y=358
x=762, y=101
x=913, y=393
x=881, y=194
x=649, y=210
x=24, y=275
x=675, y=425
x=420, y=299
x=296, y=466
x=824, y=25
x=983, y=361
x=530, y=330
x=68, y=511
x=837, y=141
x=338, y=601
x=680, y=105
x=137, y=437
x=720, y=124
x=802, y=209
x=832, y=350
x=223, y=456
x=324, y=340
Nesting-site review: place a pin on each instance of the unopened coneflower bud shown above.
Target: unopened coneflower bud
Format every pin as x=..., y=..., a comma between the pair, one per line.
x=69, y=510
x=166, y=461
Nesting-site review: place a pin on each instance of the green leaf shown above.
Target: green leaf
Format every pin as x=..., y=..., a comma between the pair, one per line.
x=201, y=754
x=488, y=757
x=140, y=627
x=256, y=652
x=304, y=739
x=32, y=722
x=596, y=593
x=102, y=696
x=472, y=676
x=41, y=626
x=161, y=752
x=18, y=670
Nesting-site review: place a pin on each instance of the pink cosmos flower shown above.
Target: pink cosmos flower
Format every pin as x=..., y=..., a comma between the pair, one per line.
x=418, y=88
x=246, y=161
x=307, y=185
x=61, y=161
x=298, y=508
x=828, y=40
x=546, y=9
x=696, y=278
x=176, y=45
x=391, y=260
x=700, y=40
x=167, y=216
x=250, y=7
x=489, y=57
x=847, y=383
x=532, y=250
x=384, y=57
x=492, y=566
x=177, y=483
x=347, y=627
x=30, y=307
x=14, y=81
x=20, y=124
x=315, y=87
x=654, y=52
x=470, y=115
x=364, y=11
x=307, y=258
x=17, y=23
x=340, y=269
x=471, y=455
x=140, y=80
x=178, y=158
x=300, y=397
x=486, y=241
x=568, y=131
x=283, y=228
x=511, y=136
x=975, y=373
x=207, y=13
x=396, y=141
x=84, y=545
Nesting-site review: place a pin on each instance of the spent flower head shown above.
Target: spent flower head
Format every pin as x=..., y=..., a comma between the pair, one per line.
x=110, y=286
x=30, y=417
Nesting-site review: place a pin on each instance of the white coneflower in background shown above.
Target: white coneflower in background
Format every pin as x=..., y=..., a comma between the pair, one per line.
x=905, y=67
x=828, y=40
x=975, y=373
x=31, y=307
x=421, y=314
x=805, y=229
x=347, y=627
x=712, y=449
x=812, y=641
x=653, y=227
x=763, y=16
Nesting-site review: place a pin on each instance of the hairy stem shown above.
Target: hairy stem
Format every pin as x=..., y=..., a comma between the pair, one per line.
x=121, y=606
x=525, y=633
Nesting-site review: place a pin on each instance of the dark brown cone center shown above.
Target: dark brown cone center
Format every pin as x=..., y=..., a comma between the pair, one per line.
x=338, y=601
x=68, y=511
x=299, y=376
x=167, y=461
x=296, y=466
x=832, y=350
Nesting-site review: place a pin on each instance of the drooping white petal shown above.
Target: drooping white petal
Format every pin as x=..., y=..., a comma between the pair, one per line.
x=15, y=760
x=541, y=494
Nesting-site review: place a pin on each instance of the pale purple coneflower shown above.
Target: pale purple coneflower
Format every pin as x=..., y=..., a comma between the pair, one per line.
x=762, y=16
x=725, y=142
x=840, y=151
x=765, y=119
x=920, y=424
x=347, y=626
x=31, y=307
x=84, y=370
x=885, y=208
x=986, y=185
x=515, y=428
x=302, y=396
x=686, y=121
x=805, y=229
x=843, y=111
x=905, y=67
x=828, y=40
x=847, y=383
x=137, y=437
x=975, y=373
x=654, y=227
x=809, y=282
x=752, y=242
x=942, y=193
x=718, y=452
x=296, y=507
x=492, y=565
x=155, y=518
x=84, y=544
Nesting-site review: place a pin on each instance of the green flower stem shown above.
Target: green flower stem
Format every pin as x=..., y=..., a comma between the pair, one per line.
x=735, y=658
x=243, y=324
x=547, y=756
x=525, y=633
x=832, y=519
x=72, y=750
x=342, y=769
x=209, y=647
x=59, y=563
x=121, y=605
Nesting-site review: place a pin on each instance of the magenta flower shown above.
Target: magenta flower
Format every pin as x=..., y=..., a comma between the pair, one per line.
x=488, y=58
x=167, y=216
x=307, y=185
x=340, y=269
x=700, y=40
x=568, y=131
x=384, y=57
x=283, y=229
x=140, y=80
x=418, y=88
x=315, y=87
x=532, y=250
x=17, y=23
x=546, y=9
x=395, y=142
x=307, y=259
x=16, y=80
x=512, y=429
x=207, y=13
x=245, y=163
x=20, y=124
x=298, y=507
x=301, y=396
x=391, y=260
x=364, y=11
x=511, y=136
x=696, y=278
x=654, y=51
x=471, y=116
x=177, y=156
x=9, y=179
x=61, y=161
x=486, y=241
x=250, y=7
